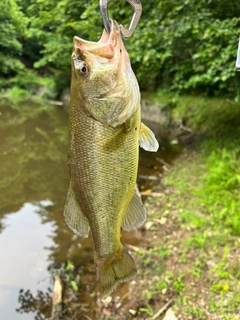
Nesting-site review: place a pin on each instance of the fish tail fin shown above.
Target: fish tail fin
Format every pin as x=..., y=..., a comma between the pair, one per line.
x=119, y=268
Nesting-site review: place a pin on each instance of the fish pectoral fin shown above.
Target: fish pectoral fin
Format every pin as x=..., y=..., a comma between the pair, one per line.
x=74, y=217
x=147, y=139
x=135, y=215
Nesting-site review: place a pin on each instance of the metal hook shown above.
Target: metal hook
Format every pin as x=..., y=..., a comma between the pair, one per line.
x=137, y=7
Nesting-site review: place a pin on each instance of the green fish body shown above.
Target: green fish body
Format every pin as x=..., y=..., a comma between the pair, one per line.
x=105, y=133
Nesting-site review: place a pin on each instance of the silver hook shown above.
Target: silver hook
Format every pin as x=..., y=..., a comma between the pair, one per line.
x=137, y=7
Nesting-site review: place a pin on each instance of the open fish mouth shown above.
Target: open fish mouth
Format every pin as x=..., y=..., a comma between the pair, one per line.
x=106, y=47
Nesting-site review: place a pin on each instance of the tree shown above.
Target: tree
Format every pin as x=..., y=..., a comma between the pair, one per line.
x=182, y=45
x=12, y=28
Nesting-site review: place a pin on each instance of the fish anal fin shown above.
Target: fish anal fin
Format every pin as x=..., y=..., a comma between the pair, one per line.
x=110, y=271
x=135, y=215
x=74, y=217
x=147, y=139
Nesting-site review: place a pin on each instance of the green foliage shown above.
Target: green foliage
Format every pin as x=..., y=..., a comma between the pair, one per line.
x=215, y=189
x=148, y=310
x=159, y=285
x=216, y=193
x=13, y=59
x=197, y=313
x=220, y=187
x=178, y=284
x=183, y=45
x=12, y=28
x=18, y=93
x=70, y=276
x=53, y=26
x=188, y=45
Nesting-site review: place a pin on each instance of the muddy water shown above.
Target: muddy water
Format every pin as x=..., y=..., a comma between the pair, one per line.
x=34, y=239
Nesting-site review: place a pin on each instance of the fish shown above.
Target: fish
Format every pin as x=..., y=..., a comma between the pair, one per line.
x=105, y=134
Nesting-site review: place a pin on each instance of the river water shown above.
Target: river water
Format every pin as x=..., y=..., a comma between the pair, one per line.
x=34, y=239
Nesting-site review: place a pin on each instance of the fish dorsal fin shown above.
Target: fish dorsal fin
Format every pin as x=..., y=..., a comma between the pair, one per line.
x=147, y=139
x=74, y=217
x=135, y=215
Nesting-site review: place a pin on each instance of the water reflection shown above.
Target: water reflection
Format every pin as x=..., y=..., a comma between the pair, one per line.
x=33, y=144
x=24, y=260
x=40, y=304
x=33, y=164
x=34, y=239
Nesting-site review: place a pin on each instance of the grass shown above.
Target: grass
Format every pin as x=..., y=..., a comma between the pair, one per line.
x=210, y=213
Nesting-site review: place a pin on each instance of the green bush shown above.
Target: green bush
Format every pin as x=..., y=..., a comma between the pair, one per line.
x=181, y=45
x=13, y=24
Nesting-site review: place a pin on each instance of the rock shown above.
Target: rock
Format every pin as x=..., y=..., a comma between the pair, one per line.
x=170, y=315
x=107, y=301
x=154, y=112
x=132, y=312
x=164, y=291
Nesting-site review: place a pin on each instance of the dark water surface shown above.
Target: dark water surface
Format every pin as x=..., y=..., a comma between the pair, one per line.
x=34, y=238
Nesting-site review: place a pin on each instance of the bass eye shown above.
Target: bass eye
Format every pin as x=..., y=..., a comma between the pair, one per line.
x=83, y=69
x=80, y=66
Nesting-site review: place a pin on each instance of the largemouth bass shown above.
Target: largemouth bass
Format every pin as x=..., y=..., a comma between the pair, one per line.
x=105, y=133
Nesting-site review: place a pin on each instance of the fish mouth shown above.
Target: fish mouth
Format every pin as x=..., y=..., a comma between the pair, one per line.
x=106, y=47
